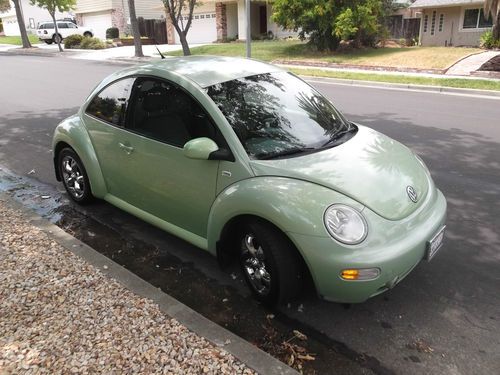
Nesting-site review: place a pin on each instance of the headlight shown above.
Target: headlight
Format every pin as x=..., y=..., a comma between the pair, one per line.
x=345, y=224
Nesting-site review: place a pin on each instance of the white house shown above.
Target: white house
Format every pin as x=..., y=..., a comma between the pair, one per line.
x=32, y=15
x=99, y=15
x=452, y=22
x=212, y=20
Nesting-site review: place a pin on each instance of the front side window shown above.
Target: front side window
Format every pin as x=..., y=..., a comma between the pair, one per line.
x=110, y=104
x=72, y=26
x=475, y=19
x=164, y=112
x=278, y=114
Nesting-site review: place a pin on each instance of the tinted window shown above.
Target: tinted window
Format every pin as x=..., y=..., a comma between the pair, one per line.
x=278, y=114
x=62, y=25
x=470, y=18
x=72, y=26
x=164, y=112
x=111, y=103
x=483, y=21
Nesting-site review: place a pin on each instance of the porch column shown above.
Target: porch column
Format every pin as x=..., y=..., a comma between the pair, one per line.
x=221, y=21
x=242, y=20
x=170, y=29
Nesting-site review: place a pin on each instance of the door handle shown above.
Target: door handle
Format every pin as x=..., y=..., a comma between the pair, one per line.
x=127, y=149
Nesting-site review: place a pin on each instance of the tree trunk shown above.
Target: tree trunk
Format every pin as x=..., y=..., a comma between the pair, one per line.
x=57, y=38
x=135, y=29
x=184, y=43
x=496, y=28
x=22, y=26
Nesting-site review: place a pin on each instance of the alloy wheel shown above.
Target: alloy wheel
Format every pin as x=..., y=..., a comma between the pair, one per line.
x=254, y=266
x=73, y=177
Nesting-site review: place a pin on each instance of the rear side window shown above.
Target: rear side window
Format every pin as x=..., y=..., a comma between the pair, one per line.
x=110, y=105
x=62, y=25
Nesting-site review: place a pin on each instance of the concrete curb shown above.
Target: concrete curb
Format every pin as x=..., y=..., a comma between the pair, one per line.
x=401, y=86
x=247, y=353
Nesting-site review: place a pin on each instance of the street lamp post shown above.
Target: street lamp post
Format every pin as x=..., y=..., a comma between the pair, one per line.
x=249, y=30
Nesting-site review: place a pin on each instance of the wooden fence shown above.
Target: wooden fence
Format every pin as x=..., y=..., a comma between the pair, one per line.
x=154, y=29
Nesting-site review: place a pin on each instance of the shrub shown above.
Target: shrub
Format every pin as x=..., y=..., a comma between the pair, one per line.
x=112, y=33
x=487, y=41
x=72, y=41
x=92, y=43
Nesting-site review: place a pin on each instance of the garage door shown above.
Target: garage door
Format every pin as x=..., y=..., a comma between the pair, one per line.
x=99, y=22
x=203, y=28
x=10, y=26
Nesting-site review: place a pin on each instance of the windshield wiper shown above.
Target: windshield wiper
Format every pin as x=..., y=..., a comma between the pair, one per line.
x=291, y=151
x=336, y=137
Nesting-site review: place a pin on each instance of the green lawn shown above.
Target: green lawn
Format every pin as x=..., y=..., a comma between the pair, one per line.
x=442, y=82
x=408, y=57
x=17, y=40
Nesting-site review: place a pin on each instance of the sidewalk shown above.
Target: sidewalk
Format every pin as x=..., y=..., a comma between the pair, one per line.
x=59, y=314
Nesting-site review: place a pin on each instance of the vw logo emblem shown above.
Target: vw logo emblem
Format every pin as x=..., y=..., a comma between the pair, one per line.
x=410, y=190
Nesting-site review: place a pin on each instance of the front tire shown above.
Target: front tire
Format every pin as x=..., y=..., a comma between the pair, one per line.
x=48, y=41
x=87, y=34
x=270, y=264
x=74, y=176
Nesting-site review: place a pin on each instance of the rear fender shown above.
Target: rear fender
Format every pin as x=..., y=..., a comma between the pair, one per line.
x=72, y=132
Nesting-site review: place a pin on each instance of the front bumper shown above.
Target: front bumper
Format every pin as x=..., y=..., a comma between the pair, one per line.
x=395, y=247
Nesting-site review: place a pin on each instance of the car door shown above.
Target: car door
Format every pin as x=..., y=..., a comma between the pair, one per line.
x=161, y=118
x=63, y=29
x=104, y=119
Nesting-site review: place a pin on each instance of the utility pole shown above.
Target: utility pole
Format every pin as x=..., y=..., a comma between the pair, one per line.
x=249, y=30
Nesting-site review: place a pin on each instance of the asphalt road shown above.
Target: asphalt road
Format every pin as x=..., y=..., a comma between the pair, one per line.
x=444, y=318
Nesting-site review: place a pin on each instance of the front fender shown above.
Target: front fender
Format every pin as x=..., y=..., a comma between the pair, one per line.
x=72, y=132
x=292, y=205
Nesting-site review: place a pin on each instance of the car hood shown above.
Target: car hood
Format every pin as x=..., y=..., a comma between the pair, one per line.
x=370, y=168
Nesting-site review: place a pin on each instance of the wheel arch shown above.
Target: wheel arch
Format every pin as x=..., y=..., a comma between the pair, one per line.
x=71, y=133
x=227, y=255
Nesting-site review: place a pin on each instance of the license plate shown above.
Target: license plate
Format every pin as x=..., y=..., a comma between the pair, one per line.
x=435, y=244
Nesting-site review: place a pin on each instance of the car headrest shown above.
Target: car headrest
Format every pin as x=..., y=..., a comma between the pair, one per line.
x=155, y=99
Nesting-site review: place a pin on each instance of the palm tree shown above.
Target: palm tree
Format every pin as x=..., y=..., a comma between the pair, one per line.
x=135, y=29
x=22, y=26
x=492, y=8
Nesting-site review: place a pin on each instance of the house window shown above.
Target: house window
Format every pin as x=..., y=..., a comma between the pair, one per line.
x=441, y=22
x=433, y=23
x=475, y=19
x=426, y=22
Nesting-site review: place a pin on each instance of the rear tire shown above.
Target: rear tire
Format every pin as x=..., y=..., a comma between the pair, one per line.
x=74, y=176
x=270, y=264
x=87, y=34
x=57, y=37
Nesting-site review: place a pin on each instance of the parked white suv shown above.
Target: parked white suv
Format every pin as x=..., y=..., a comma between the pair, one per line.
x=47, y=32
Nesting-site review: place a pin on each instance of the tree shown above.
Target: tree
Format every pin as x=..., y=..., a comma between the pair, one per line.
x=20, y=21
x=135, y=29
x=326, y=22
x=492, y=8
x=52, y=6
x=4, y=5
x=174, y=9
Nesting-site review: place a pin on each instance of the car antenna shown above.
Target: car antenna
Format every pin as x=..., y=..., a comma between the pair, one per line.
x=161, y=54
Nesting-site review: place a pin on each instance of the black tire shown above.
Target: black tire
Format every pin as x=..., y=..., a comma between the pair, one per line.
x=76, y=181
x=276, y=265
x=48, y=41
x=55, y=36
x=87, y=34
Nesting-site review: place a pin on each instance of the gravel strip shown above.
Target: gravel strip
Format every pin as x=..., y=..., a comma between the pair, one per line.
x=59, y=314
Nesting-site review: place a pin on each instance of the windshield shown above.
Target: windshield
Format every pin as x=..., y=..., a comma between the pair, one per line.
x=278, y=114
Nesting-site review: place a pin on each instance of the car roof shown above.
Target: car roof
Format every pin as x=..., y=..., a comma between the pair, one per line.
x=210, y=70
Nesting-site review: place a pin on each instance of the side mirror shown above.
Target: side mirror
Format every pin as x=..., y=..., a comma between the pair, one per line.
x=200, y=148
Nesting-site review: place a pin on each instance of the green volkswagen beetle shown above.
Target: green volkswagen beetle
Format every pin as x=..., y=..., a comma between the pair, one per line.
x=249, y=162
